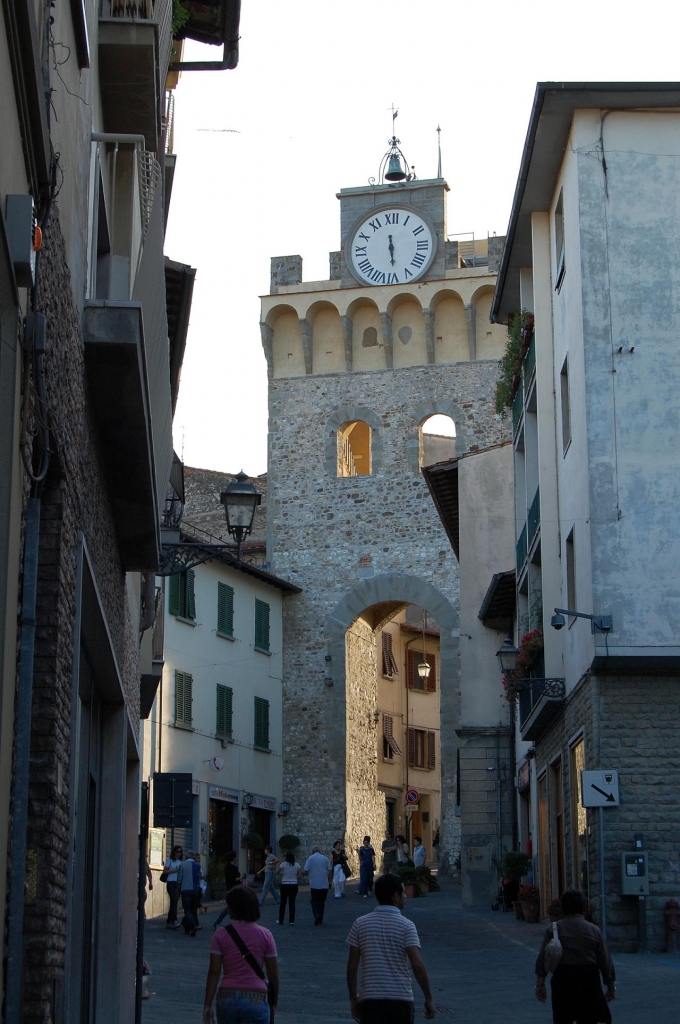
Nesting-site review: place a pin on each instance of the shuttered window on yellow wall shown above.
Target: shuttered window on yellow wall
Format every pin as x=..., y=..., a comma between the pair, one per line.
x=183, y=697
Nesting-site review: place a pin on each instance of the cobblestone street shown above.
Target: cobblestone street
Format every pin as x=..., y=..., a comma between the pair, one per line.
x=480, y=965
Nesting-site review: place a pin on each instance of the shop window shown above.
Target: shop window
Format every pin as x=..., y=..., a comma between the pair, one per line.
x=183, y=698
x=225, y=610
x=261, y=738
x=182, y=595
x=421, y=749
x=389, y=664
x=261, y=626
x=354, y=449
x=223, y=718
x=390, y=745
x=414, y=681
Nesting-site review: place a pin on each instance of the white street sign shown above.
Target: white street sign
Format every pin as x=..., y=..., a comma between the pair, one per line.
x=600, y=789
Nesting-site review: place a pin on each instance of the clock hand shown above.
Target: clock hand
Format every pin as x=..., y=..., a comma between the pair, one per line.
x=391, y=248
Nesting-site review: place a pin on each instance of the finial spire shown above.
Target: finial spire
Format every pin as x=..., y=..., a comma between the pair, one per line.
x=439, y=152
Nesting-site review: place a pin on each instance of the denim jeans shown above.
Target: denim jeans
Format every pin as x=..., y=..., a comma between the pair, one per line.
x=173, y=894
x=288, y=895
x=269, y=886
x=236, y=1009
x=189, y=905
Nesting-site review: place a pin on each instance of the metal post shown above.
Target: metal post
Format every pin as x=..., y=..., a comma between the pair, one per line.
x=172, y=815
x=603, y=907
x=642, y=924
x=141, y=887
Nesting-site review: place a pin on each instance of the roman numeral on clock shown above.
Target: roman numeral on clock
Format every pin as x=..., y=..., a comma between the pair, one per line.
x=375, y=224
x=419, y=230
x=392, y=218
x=423, y=244
x=418, y=260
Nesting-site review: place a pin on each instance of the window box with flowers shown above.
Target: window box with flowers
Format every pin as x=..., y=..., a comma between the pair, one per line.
x=530, y=650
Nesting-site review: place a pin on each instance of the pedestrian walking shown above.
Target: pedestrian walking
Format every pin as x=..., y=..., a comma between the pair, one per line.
x=289, y=869
x=419, y=852
x=269, y=884
x=340, y=869
x=575, y=988
x=319, y=868
x=389, y=853
x=366, y=855
x=170, y=869
x=189, y=878
x=245, y=955
x=403, y=856
x=232, y=877
x=383, y=944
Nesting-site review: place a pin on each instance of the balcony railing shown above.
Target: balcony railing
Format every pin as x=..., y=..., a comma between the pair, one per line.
x=539, y=701
x=534, y=517
x=521, y=548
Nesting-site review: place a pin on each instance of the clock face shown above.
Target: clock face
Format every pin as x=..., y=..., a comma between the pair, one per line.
x=392, y=245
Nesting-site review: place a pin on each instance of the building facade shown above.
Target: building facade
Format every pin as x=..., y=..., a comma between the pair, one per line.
x=357, y=365
x=596, y=469
x=217, y=714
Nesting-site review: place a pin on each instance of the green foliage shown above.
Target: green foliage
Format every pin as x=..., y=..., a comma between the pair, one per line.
x=520, y=329
x=514, y=864
x=409, y=876
x=289, y=842
x=253, y=841
x=529, y=894
x=180, y=17
x=423, y=874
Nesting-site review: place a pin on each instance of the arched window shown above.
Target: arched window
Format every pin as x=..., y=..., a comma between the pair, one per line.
x=354, y=449
x=437, y=440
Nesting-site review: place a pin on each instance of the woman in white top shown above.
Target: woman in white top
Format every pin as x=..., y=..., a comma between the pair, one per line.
x=289, y=869
x=402, y=851
x=172, y=867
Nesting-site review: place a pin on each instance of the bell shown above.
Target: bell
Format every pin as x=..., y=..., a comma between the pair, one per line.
x=395, y=171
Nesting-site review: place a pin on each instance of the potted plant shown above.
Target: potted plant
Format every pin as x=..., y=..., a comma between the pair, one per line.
x=426, y=880
x=409, y=880
x=289, y=842
x=513, y=865
x=530, y=648
x=529, y=896
x=520, y=330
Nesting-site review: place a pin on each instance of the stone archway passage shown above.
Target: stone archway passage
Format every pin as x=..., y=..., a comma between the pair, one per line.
x=351, y=740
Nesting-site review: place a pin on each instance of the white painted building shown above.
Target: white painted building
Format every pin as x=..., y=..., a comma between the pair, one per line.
x=592, y=253
x=220, y=698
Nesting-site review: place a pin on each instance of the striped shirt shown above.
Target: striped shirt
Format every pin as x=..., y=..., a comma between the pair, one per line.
x=382, y=939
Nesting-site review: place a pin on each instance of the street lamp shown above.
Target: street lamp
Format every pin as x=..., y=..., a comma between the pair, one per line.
x=507, y=657
x=423, y=666
x=240, y=499
x=284, y=807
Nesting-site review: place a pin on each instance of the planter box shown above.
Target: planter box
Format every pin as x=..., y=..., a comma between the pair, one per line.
x=531, y=911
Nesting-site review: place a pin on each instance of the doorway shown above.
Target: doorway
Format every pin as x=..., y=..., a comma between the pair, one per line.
x=221, y=825
x=259, y=821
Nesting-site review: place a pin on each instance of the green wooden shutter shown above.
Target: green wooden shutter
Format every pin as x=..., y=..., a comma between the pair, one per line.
x=223, y=725
x=190, y=610
x=262, y=625
x=175, y=583
x=225, y=609
x=183, y=697
x=261, y=723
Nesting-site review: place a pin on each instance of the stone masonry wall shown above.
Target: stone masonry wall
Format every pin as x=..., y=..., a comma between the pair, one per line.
x=631, y=724
x=74, y=499
x=365, y=803
x=323, y=530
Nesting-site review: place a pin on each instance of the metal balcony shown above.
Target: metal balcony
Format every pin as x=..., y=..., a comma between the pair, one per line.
x=540, y=700
x=529, y=361
x=521, y=549
x=534, y=518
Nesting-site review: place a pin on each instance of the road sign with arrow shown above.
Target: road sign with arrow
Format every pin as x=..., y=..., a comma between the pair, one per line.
x=600, y=789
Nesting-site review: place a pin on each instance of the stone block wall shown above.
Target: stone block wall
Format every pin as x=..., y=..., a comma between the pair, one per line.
x=496, y=245
x=335, y=266
x=631, y=724
x=285, y=270
x=320, y=527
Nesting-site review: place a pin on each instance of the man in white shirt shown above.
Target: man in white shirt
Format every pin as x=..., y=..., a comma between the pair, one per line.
x=319, y=868
x=419, y=852
x=385, y=943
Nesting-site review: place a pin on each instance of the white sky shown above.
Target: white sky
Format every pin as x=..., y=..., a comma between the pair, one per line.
x=262, y=151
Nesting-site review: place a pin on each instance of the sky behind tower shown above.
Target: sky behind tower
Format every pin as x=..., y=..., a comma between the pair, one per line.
x=263, y=150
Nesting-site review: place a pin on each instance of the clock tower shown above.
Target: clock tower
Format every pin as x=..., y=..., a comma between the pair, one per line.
x=358, y=364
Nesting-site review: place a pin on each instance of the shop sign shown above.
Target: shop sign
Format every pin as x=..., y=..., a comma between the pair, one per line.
x=220, y=793
x=266, y=803
x=196, y=787
x=523, y=777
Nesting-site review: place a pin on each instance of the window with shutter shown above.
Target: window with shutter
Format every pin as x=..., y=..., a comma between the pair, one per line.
x=412, y=747
x=261, y=723
x=224, y=710
x=388, y=734
x=413, y=680
x=421, y=748
x=389, y=664
x=183, y=698
x=261, y=625
x=182, y=596
x=431, y=753
x=225, y=609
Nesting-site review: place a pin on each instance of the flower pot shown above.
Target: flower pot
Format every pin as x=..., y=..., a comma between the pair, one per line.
x=424, y=888
x=517, y=907
x=408, y=889
x=531, y=911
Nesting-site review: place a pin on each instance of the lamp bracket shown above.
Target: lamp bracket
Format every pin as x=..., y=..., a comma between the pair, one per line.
x=180, y=557
x=598, y=623
x=553, y=686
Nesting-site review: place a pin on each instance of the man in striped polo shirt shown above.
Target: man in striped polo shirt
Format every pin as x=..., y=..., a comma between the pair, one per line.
x=385, y=943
